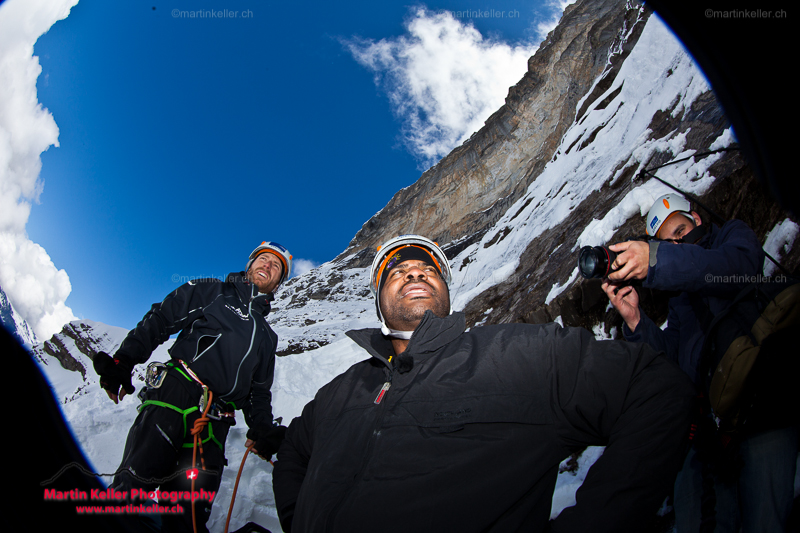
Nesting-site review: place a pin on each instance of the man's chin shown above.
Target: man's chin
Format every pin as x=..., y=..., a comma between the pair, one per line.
x=264, y=287
x=410, y=317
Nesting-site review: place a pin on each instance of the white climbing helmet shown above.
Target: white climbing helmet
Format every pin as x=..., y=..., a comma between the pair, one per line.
x=663, y=208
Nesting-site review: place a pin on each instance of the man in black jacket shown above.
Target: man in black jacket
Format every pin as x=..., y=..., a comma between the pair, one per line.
x=224, y=356
x=447, y=430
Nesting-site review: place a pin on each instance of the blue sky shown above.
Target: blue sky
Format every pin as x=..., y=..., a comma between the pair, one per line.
x=188, y=132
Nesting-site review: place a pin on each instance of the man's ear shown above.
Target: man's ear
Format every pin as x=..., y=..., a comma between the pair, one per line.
x=697, y=220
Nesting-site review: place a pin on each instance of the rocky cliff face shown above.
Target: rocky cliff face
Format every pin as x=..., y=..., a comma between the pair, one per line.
x=467, y=191
x=74, y=349
x=74, y=337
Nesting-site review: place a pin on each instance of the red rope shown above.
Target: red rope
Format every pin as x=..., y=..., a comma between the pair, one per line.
x=236, y=486
x=199, y=424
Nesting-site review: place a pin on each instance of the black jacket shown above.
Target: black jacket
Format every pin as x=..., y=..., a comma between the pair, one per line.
x=471, y=436
x=224, y=338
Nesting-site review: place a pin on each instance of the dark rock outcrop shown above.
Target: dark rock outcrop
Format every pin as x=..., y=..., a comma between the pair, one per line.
x=78, y=334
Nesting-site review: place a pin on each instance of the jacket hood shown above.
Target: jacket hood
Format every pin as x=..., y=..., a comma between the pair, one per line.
x=430, y=335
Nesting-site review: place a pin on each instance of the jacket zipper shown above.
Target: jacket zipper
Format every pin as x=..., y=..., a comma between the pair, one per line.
x=381, y=409
x=378, y=420
x=383, y=390
x=252, y=339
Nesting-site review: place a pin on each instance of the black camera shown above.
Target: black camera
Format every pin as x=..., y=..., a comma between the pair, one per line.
x=596, y=261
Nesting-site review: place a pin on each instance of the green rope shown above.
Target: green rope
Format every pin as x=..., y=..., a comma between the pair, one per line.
x=184, y=413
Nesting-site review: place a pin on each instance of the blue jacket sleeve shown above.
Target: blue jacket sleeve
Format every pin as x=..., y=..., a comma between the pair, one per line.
x=734, y=254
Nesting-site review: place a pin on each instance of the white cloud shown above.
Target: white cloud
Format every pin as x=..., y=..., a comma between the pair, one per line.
x=301, y=266
x=30, y=279
x=546, y=26
x=443, y=79
x=33, y=284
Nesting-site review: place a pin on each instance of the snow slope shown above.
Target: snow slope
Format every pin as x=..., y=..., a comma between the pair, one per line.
x=657, y=76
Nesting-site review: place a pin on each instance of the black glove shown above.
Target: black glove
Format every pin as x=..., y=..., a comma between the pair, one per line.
x=267, y=440
x=114, y=373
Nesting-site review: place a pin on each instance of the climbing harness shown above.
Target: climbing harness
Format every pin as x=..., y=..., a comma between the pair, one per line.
x=155, y=375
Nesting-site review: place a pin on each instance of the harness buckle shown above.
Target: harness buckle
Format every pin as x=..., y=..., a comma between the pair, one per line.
x=155, y=374
x=217, y=412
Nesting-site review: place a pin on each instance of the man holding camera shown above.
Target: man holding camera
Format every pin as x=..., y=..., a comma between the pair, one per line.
x=695, y=258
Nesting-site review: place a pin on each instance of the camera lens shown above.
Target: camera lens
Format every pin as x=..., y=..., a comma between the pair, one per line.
x=595, y=261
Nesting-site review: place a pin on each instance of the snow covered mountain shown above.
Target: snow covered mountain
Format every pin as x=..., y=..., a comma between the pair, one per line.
x=609, y=94
x=14, y=323
x=73, y=350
